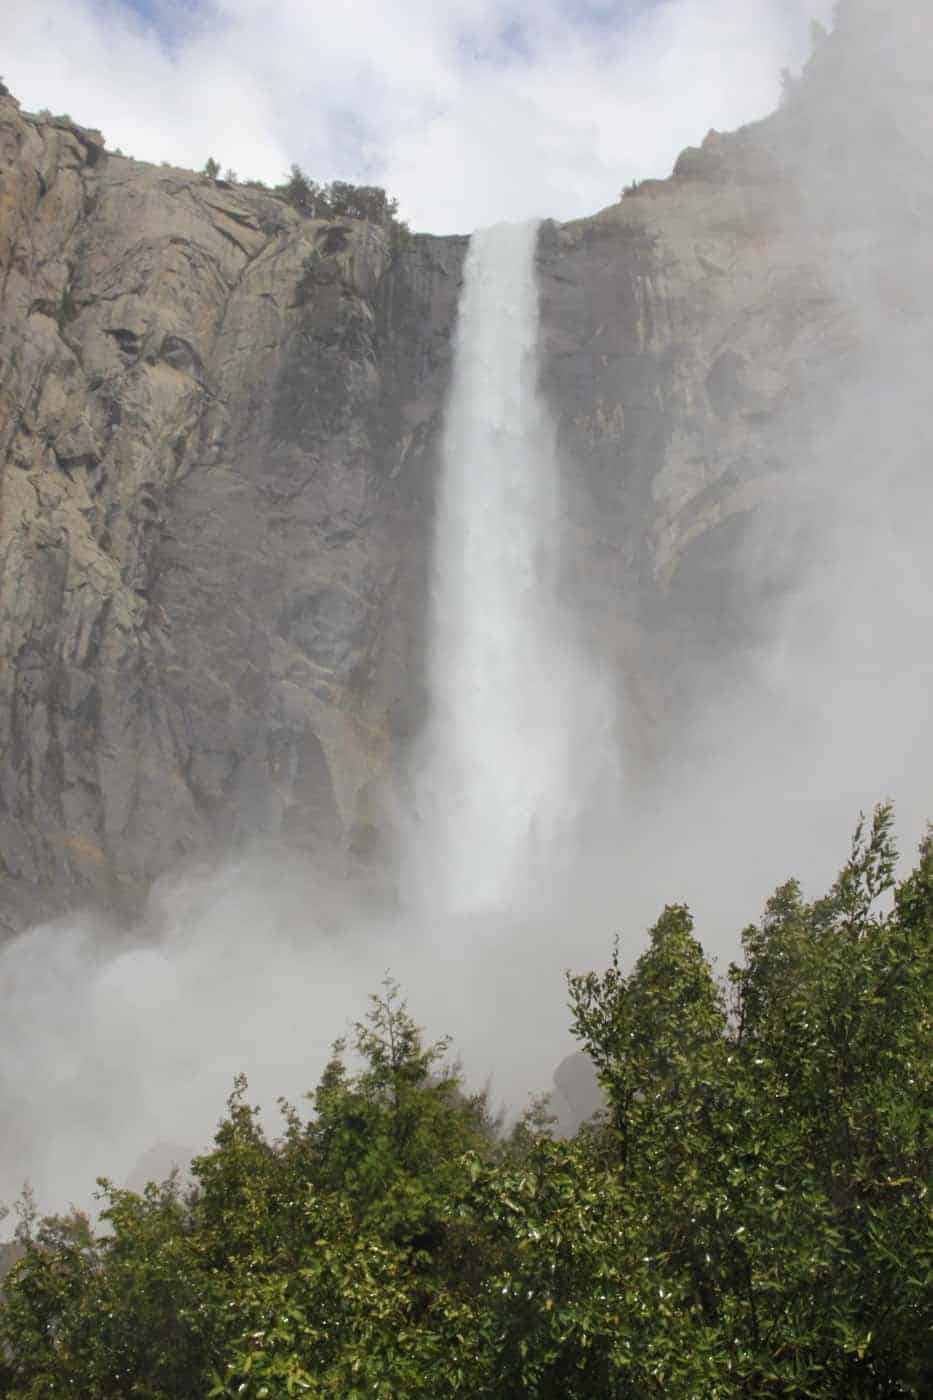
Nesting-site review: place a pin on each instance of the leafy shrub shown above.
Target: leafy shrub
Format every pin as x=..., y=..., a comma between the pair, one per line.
x=340, y=200
x=749, y=1218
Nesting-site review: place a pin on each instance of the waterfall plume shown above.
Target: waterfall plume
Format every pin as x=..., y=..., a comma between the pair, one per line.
x=503, y=779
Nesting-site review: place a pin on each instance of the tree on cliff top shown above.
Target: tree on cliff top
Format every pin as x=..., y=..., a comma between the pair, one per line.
x=339, y=200
x=300, y=192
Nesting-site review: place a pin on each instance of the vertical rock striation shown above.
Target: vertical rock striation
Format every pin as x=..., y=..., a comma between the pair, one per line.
x=216, y=421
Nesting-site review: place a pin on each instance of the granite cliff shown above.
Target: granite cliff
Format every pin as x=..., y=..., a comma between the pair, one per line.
x=216, y=419
x=219, y=430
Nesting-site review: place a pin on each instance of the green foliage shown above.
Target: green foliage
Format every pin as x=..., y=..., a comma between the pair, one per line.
x=750, y=1217
x=341, y=200
x=370, y=202
x=300, y=192
x=212, y=168
x=777, y=1169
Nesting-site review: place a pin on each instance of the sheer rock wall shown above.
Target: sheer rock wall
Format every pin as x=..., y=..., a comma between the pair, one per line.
x=216, y=423
x=219, y=429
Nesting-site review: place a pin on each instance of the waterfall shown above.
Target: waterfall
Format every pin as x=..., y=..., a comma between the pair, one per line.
x=500, y=779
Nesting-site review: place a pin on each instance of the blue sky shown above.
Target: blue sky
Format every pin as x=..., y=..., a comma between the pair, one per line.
x=171, y=17
x=469, y=110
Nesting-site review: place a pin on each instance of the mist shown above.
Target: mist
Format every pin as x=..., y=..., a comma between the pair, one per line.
x=118, y=1046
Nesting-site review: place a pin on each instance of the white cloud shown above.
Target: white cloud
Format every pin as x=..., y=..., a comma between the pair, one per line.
x=470, y=111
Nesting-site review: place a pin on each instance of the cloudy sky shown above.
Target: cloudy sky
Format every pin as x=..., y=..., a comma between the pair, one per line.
x=469, y=110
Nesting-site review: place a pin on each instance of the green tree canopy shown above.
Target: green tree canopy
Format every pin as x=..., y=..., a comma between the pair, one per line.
x=749, y=1217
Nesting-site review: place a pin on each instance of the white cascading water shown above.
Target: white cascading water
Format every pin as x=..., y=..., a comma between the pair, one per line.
x=511, y=696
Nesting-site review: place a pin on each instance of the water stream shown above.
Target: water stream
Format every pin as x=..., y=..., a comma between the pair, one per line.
x=501, y=776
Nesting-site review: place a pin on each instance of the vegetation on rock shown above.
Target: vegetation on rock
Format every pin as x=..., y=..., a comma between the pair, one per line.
x=340, y=200
x=750, y=1217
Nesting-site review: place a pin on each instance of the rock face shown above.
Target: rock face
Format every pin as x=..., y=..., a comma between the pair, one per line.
x=709, y=338
x=693, y=354
x=218, y=435
x=216, y=420
x=577, y=1095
